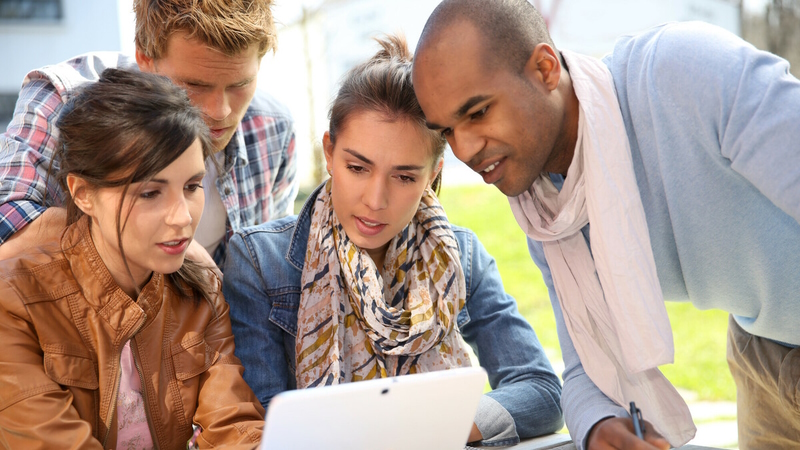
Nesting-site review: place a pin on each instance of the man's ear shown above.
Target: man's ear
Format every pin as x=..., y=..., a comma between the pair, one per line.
x=327, y=147
x=146, y=63
x=544, y=66
x=81, y=194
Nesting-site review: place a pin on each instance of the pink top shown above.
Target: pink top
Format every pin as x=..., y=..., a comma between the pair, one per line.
x=133, y=433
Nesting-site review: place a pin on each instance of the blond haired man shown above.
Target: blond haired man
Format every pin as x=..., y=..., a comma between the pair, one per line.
x=213, y=49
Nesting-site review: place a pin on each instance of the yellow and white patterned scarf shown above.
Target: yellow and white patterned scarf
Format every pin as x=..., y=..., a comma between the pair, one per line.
x=354, y=325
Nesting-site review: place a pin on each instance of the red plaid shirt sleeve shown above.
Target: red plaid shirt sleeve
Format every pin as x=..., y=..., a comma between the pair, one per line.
x=26, y=154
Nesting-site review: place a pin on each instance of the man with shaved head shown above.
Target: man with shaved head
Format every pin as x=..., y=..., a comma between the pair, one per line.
x=668, y=170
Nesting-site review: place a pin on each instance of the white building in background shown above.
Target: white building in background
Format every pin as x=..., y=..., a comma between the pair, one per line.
x=316, y=48
x=34, y=33
x=591, y=27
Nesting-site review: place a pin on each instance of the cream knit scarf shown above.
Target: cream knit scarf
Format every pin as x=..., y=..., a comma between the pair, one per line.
x=610, y=296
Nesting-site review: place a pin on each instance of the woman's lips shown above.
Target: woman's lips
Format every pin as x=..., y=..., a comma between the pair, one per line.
x=175, y=247
x=368, y=227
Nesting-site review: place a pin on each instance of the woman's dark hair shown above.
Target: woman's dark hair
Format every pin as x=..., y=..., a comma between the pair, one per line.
x=126, y=128
x=383, y=85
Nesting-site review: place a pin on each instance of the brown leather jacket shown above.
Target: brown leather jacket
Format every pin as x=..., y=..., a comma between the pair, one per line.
x=63, y=324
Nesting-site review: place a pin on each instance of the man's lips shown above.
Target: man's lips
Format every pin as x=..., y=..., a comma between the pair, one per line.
x=217, y=133
x=491, y=171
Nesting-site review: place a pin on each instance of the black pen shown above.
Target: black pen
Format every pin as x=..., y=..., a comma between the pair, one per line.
x=638, y=423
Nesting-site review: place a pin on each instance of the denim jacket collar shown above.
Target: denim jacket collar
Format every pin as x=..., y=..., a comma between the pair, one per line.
x=296, y=255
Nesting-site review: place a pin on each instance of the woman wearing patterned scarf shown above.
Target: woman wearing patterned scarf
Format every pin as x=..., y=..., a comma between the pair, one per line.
x=371, y=280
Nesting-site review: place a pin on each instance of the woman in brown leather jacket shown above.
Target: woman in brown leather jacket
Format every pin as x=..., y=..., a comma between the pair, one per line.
x=111, y=337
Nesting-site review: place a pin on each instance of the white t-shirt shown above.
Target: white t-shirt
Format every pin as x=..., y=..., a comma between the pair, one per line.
x=211, y=229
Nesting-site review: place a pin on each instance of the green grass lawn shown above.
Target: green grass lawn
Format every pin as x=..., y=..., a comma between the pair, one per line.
x=700, y=336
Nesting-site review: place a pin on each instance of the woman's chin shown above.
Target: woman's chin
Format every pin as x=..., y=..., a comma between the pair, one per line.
x=171, y=266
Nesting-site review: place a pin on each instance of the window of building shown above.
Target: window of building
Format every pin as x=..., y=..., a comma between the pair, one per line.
x=34, y=10
x=7, y=103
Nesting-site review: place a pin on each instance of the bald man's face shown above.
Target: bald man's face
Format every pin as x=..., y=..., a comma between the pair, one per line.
x=502, y=123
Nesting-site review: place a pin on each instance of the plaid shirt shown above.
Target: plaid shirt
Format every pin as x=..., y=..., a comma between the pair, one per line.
x=258, y=182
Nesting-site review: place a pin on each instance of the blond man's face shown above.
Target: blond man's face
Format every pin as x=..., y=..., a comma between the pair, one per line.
x=221, y=86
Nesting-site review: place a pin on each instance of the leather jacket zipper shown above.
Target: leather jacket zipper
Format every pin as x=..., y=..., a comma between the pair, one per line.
x=135, y=351
x=113, y=408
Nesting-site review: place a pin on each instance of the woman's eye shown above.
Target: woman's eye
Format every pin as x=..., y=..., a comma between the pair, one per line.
x=193, y=187
x=407, y=179
x=356, y=169
x=447, y=132
x=149, y=194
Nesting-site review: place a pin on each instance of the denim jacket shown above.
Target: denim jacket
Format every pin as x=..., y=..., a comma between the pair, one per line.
x=262, y=286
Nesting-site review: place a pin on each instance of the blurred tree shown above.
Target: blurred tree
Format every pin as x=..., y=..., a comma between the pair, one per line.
x=783, y=28
x=777, y=30
x=318, y=158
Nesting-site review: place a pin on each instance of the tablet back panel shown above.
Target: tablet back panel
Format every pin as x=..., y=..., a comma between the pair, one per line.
x=433, y=410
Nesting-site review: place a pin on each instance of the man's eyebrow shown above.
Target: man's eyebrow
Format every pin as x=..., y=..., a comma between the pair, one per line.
x=198, y=82
x=462, y=111
x=472, y=101
x=368, y=161
x=245, y=81
x=192, y=81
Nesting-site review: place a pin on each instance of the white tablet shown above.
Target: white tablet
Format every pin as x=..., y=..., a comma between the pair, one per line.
x=432, y=410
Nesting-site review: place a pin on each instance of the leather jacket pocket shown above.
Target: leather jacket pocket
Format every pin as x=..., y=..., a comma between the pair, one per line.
x=192, y=357
x=70, y=366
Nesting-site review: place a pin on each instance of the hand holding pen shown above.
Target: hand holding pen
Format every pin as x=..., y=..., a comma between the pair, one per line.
x=624, y=433
x=640, y=427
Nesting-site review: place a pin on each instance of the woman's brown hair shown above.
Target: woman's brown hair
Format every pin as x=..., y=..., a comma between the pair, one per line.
x=126, y=128
x=383, y=85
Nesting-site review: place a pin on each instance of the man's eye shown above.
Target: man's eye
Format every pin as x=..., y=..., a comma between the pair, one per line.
x=480, y=113
x=447, y=132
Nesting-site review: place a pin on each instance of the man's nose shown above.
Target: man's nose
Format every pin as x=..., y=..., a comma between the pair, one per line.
x=465, y=144
x=217, y=106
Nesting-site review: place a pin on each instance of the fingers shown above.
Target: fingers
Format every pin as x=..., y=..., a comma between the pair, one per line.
x=475, y=434
x=653, y=438
x=617, y=433
x=45, y=228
